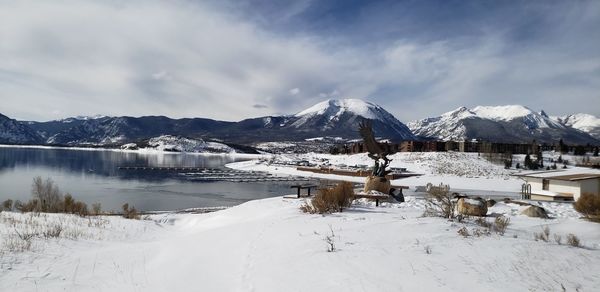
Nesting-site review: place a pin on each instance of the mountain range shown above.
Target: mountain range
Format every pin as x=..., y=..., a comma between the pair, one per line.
x=510, y=123
x=334, y=118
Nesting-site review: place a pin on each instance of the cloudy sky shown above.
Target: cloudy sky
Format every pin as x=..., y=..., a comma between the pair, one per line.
x=236, y=59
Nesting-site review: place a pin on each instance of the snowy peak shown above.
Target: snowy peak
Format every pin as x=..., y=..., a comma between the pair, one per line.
x=337, y=107
x=344, y=115
x=530, y=118
x=461, y=112
x=503, y=113
x=583, y=122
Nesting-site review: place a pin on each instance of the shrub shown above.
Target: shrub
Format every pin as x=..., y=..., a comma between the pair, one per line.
x=464, y=232
x=573, y=240
x=483, y=222
x=53, y=231
x=558, y=239
x=329, y=200
x=544, y=235
x=130, y=213
x=32, y=205
x=588, y=205
x=96, y=209
x=7, y=205
x=439, y=202
x=501, y=223
x=47, y=194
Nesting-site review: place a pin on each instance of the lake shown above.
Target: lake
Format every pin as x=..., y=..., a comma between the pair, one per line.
x=94, y=176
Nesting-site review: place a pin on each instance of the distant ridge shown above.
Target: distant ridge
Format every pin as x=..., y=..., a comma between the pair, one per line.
x=509, y=123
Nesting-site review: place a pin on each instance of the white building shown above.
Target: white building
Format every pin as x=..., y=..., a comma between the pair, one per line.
x=559, y=185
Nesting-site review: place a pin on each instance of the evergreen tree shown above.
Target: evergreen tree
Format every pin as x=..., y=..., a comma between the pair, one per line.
x=596, y=151
x=527, y=162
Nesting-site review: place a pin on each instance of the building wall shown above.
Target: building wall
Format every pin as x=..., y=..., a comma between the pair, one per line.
x=558, y=186
x=536, y=183
x=561, y=186
x=590, y=186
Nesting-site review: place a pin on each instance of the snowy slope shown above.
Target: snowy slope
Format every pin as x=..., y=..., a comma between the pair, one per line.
x=583, y=122
x=13, y=132
x=447, y=127
x=510, y=123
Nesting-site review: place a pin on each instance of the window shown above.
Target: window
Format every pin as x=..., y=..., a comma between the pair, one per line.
x=545, y=184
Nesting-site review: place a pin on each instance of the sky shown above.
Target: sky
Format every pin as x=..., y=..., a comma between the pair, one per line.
x=231, y=60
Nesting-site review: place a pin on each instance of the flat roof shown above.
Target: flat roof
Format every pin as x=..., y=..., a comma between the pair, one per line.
x=567, y=177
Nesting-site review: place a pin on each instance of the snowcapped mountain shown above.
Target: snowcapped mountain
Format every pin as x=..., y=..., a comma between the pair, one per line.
x=583, y=122
x=342, y=117
x=14, y=132
x=510, y=123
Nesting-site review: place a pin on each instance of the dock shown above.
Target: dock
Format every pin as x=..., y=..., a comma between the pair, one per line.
x=200, y=174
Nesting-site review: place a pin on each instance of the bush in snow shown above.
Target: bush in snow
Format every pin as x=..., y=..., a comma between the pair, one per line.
x=589, y=205
x=573, y=240
x=440, y=202
x=544, y=235
x=7, y=205
x=48, y=199
x=330, y=200
x=500, y=224
x=130, y=213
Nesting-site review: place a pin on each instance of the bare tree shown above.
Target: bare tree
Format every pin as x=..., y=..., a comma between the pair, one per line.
x=47, y=194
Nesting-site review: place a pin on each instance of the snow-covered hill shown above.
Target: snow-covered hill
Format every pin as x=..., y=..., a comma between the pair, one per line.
x=583, y=122
x=510, y=123
x=182, y=144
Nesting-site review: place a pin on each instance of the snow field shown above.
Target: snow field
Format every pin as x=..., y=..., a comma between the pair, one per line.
x=269, y=245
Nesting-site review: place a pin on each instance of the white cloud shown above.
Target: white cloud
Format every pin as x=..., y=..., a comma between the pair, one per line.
x=186, y=59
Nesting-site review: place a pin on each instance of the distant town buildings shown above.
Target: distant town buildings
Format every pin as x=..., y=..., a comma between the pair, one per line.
x=463, y=146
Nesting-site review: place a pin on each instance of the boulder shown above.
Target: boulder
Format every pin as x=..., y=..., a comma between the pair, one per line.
x=376, y=183
x=535, y=211
x=472, y=206
x=490, y=203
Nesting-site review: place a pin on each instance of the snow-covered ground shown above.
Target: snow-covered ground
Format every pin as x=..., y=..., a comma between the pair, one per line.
x=464, y=171
x=270, y=245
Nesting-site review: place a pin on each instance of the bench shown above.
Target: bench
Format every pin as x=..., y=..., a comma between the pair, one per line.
x=372, y=197
x=301, y=187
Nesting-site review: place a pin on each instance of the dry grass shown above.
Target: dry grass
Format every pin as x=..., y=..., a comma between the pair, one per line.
x=500, y=224
x=130, y=212
x=464, y=232
x=573, y=240
x=330, y=200
x=589, y=205
x=558, y=239
x=23, y=232
x=439, y=202
x=544, y=235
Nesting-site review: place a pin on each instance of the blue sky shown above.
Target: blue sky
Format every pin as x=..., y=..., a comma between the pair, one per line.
x=236, y=59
